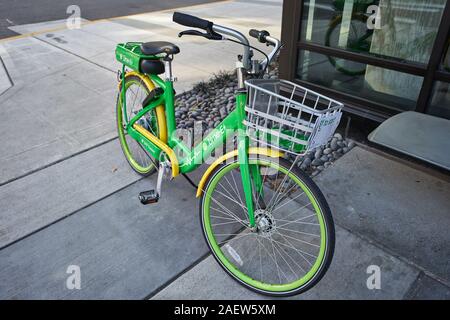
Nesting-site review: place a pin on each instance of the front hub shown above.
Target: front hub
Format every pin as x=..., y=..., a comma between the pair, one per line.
x=265, y=223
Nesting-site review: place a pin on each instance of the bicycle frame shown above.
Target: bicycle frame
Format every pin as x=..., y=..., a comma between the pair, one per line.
x=193, y=158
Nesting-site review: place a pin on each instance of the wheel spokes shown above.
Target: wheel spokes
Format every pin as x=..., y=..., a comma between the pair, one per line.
x=282, y=249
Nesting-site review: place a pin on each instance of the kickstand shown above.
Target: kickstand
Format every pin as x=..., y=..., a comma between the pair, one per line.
x=190, y=181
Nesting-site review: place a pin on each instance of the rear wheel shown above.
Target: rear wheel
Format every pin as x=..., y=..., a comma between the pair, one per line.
x=292, y=245
x=136, y=90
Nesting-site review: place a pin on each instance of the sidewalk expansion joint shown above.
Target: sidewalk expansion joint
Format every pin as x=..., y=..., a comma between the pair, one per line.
x=396, y=255
x=70, y=214
x=58, y=161
x=413, y=288
x=409, y=294
x=178, y=275
x=74, y=54
x=11, y=82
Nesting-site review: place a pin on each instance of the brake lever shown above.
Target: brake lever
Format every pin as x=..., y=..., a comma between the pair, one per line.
x=191, y=33
x=210, y=34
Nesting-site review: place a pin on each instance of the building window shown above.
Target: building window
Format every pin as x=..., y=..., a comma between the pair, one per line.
x=402, y=30
x=388, y=87
x=446, y=60
x=440, y=102
x=374, y=53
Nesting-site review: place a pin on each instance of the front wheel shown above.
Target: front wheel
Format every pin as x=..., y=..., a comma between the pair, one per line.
x=292, y=244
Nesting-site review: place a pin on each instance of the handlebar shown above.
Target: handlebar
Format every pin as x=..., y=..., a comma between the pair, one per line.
x=215, y=32
x=246, y=58
x=191, y=21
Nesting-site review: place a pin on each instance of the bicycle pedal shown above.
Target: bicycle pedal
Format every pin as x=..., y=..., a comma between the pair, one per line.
x=148, y=197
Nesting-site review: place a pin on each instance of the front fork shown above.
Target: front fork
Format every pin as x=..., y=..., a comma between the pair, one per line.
x=244, y=165
x=249, y=171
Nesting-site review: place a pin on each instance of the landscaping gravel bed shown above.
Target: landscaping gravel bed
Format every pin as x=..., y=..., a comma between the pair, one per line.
x=321, y=158
x=208, y=103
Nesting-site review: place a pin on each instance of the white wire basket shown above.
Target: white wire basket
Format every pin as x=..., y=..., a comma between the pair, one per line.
x=289, y=117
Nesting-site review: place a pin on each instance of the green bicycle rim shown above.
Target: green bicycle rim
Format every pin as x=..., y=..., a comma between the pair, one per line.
x=274, y=288
x=123, y=142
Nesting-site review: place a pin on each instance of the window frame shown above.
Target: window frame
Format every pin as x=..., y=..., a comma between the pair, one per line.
x=289, y=55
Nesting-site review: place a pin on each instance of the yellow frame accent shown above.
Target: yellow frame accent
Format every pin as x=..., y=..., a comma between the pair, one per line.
x=160, y=112
x=259, y=151
x=164, y=147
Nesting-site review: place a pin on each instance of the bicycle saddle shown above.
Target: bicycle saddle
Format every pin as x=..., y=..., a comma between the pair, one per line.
x=157, y=47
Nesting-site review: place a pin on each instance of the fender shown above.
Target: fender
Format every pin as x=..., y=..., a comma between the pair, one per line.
x=160, y=113
x=164, y=147
x=259, y=151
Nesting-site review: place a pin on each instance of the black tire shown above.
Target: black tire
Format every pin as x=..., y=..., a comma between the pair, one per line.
x=328, y=219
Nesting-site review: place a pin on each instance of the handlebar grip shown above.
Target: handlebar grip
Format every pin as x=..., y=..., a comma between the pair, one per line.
x=254, y=33
x=260, y=35
x=191, y=21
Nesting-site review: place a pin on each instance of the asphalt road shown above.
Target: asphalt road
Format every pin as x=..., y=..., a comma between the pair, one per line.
x=17, y=12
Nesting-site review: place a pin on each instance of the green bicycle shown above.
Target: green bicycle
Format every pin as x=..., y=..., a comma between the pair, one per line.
x=266, y=222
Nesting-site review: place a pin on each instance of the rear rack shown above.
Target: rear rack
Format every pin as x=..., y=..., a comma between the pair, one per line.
x=130, y=55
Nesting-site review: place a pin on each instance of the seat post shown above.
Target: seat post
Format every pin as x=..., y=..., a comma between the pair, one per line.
x=168, y=68
x=240, y=71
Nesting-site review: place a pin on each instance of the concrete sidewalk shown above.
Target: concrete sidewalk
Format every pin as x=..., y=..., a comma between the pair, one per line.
x=129, y=251
x=67, y=195
x=68, y=88
x=386, y=213
x=346, y=278
x=58, y=117
x=69, y=85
